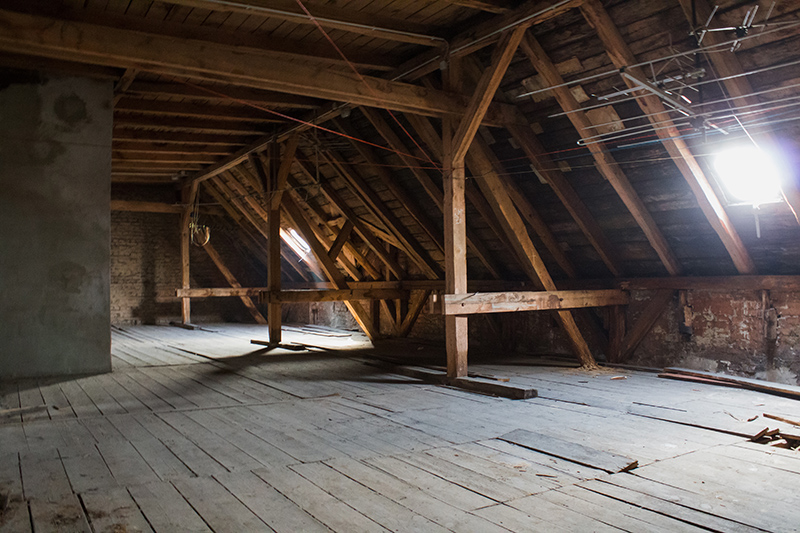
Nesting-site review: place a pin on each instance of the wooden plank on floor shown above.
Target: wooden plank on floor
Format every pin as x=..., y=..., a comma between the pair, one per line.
x=218, y=507
x=664, y=505
x=113, y=511
x=156, y=454
x=125, y=463
x=571, y=451
x=43, y=476
x=377, y=507
x=272, y=507
x=166, y=510
x=246, y=440
x=191, y=455
x=614, y=513
x=15, y=517
x=322, y=506
x=454, y=473
x=515, y=520
x=456, y=495
x=568, y=518
x=61, y=516
x=413, y=498
x=79, y=401
x=88, y=471
x=231, y=457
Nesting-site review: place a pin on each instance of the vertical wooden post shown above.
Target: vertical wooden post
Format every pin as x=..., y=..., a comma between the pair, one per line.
x=616, y=333
x=187, y=197
x=455, y=241
x=274, y=244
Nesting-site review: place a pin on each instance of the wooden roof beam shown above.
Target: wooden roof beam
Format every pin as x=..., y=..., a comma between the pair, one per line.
x=477, y=37
x=433, y=190
x=389, y=181
x=652, y=106
x=368, y=24
x=242, y=95
x=484, y=92
x=496, y=192
x=604, y=162
x=372, y=201
x=101, y=45
x=358, y=225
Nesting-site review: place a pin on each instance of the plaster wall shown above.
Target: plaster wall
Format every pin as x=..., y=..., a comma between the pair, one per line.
x=55, y=166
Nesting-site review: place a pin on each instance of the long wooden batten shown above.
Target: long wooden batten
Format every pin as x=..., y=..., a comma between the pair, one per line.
x=510, y=302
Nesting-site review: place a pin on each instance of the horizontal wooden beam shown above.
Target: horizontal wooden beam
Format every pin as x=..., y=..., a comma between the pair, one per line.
x=715, y=283
x=145, y=207
x=247, y=95
x=509, y=302
x=101, y=45
x=340, y=295
x=369, y=24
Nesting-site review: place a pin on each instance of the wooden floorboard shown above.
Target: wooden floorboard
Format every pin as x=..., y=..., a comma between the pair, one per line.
x=202, y=431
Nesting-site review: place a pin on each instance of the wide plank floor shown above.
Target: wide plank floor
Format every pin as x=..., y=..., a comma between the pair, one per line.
x=203, y=431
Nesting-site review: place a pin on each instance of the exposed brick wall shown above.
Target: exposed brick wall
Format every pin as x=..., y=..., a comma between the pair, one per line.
x=731, y=333
x=145, y=267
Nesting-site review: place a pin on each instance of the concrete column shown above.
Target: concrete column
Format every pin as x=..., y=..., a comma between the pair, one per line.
x=55, y=167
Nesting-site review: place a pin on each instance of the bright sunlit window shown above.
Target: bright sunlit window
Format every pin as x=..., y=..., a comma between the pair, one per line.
x=296, y=242
x=749, y=175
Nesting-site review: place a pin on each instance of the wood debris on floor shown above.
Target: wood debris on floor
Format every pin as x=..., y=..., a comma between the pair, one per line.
x=202, y=431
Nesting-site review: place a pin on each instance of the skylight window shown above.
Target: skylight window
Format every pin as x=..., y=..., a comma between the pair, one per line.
x=296, y=242
x=749, y=175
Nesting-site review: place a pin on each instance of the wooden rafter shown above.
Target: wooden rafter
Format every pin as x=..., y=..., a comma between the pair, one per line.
x=244, y=95
x=374, y=203
x=604, y=161
x=426, y=130
x=430, y=187
x=485, y=34
x=370, y=25
x=654, y=109
x=358, y=225
x=496, y=192
x=390, y=182
x=482, y=162
x=484, y=92
x=298, y=220
x=233, y=282
x=545, y=166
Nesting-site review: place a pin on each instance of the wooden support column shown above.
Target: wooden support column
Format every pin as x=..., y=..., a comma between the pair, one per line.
x=233, y=282
x=455, y=249
x=274, y=240
x=187, y=195
x=712, y=208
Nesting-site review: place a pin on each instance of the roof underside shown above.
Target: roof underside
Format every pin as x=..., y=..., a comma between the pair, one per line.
x=173, y=124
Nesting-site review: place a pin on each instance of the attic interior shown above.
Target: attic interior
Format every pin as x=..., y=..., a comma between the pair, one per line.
x=407, y=265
